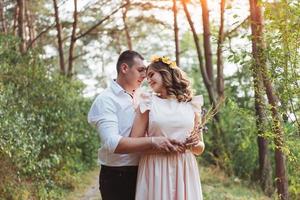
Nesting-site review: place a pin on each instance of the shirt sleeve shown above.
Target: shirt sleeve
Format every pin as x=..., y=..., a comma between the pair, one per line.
x=103, y=114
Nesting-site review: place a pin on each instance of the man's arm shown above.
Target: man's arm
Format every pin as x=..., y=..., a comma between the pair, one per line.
x=146, y=144
x=139, y=143
x=103, y=113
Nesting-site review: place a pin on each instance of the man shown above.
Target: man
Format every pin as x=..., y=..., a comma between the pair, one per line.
x=113, y=114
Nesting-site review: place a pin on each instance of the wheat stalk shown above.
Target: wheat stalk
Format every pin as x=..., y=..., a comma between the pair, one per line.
x=213, y=110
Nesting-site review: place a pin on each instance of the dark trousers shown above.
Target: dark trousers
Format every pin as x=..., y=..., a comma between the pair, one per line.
x=118, y=183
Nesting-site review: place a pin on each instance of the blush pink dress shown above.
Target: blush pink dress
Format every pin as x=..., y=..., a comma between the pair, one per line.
x=169, y=176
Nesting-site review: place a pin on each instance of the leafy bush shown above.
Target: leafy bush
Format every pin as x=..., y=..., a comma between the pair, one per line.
x=45, y=138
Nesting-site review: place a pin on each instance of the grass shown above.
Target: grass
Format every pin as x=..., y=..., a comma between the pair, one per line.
x=216, y=185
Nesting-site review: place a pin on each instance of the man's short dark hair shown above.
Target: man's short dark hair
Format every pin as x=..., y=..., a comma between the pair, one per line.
x=128, y=58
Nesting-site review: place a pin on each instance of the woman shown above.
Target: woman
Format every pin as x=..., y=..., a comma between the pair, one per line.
x=171, y=112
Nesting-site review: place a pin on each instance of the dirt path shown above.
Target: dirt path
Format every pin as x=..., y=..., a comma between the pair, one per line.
x=88, y=189
x=92, y=193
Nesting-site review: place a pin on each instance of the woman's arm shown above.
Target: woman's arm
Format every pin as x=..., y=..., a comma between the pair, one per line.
x=140, y=124
x=199, y=148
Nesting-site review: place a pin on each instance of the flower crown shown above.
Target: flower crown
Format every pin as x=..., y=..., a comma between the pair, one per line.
x=165, y=60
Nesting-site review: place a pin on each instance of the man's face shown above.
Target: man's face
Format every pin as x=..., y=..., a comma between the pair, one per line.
x=136, y=74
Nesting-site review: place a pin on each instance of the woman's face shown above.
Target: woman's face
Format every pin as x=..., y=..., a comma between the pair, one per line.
x=155, y=80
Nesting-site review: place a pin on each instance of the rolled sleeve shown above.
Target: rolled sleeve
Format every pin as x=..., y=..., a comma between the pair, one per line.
x=103, y=114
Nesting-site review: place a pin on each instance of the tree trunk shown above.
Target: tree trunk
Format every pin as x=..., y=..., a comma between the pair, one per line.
x=220, y=80
x=176, y=33
x=218, y=133
x=258, y=46
x=21, y=25
x=26, y=36
x=59, y=38
x=265, y=169
x=206, y=39
x=2, y=17
x=15, y=23
x=124, y=16
x=29, y=19
x=73, y=40
x=207, y=81
x=220, y=66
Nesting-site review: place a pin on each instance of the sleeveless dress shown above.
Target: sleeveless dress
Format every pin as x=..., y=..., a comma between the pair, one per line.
x=173, y=176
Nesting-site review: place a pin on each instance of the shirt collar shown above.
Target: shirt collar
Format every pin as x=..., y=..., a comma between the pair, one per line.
x=116, y=88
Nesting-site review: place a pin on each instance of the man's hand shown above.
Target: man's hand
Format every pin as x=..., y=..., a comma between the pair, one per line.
x=167, y=145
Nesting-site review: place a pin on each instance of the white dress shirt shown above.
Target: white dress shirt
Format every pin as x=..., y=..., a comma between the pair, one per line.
x=113, y=113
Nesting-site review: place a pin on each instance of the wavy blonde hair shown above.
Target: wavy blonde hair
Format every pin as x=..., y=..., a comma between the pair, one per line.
x=175, y=81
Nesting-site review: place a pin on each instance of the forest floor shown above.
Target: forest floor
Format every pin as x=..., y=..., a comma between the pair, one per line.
x=215, y=185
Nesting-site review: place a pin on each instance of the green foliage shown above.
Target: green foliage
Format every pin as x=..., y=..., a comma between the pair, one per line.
x=45, y=138
x=282, y=39
x=282, y=51
x=240, y=140
x=239, y=148
x=237, y=120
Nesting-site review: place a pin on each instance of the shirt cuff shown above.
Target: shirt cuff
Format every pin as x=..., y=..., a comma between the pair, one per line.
x=112, y=143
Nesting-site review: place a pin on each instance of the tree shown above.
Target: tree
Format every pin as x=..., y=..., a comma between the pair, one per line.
x=207, y=44
x=220, y=67
x=207, y=75
x=59, y=38
x=175, y=10
x=30, y=23
x=2, y=17
x=207, y=82
x=265, y=169
x=73, y=40
x=124, y=17
x=258, y=46
x=21, y=8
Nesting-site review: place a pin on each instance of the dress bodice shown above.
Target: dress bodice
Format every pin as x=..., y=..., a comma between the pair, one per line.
x=170, y=118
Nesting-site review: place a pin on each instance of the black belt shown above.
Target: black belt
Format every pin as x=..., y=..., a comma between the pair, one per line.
x=120, y=168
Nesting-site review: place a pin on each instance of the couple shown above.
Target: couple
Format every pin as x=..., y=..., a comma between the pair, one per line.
x=147, y=151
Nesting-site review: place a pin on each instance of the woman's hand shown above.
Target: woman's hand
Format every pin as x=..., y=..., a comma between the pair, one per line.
x=192, y=140
x=166, y=145
x=195, y=141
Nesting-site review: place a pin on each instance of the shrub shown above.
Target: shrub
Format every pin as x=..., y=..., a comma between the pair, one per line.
x=45, y=138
